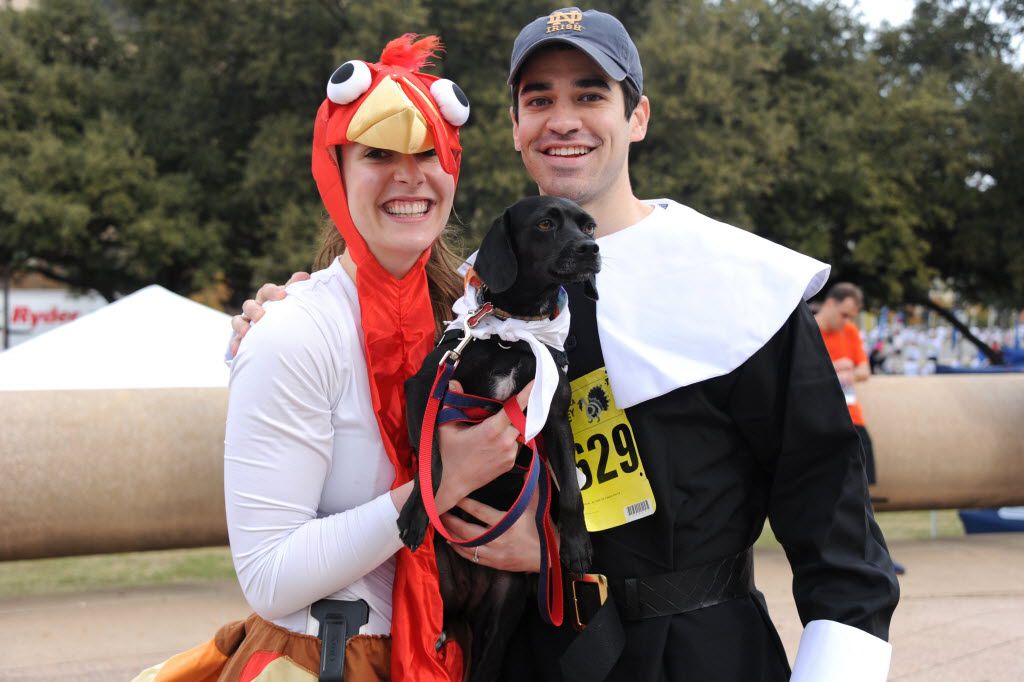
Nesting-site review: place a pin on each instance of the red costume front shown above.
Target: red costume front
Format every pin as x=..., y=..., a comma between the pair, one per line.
x=396, y=112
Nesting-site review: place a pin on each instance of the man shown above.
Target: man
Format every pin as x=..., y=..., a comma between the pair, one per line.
x=704, y=403
x=842, y=339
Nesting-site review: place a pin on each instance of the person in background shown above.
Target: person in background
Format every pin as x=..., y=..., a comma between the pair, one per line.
x=835, y=318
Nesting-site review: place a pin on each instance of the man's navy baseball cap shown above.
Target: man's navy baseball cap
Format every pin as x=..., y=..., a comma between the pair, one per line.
x=601, y=36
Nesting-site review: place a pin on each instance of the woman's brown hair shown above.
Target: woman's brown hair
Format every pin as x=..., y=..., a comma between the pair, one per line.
x=443, y=282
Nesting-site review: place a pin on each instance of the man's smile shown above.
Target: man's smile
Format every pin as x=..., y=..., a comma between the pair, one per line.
x=570, y=151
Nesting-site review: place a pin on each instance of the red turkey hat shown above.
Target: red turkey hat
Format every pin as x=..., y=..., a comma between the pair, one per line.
x=392, y=105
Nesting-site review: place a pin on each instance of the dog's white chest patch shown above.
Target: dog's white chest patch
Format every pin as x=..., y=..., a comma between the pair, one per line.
x=502, y=387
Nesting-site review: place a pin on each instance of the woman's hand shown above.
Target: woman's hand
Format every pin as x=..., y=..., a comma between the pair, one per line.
x=473, y=456
x=518, y=549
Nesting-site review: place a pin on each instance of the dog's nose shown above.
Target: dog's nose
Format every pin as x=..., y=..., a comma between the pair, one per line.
x=587, y=248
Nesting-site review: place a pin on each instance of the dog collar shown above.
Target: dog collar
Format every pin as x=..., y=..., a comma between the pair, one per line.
x=476, y=290
x=563, y=299
x=473, y=316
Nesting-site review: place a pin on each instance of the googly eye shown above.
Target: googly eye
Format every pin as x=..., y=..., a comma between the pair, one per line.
x=451, y=101
x=348, y=82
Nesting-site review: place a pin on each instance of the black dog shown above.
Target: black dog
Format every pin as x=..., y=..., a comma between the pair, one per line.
x=531, y=250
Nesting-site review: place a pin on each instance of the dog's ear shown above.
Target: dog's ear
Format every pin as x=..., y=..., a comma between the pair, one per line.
x=496, y=261
x=590, y=287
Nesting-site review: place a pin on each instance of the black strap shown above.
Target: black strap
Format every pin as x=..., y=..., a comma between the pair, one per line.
x=333, y=629
x=450, y=336
x=339, y=621
x=594, y=652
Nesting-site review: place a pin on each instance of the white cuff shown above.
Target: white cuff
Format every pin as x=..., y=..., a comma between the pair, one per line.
x=833, y=652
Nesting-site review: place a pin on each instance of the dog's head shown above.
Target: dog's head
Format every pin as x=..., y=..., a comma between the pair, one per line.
x=539, y=243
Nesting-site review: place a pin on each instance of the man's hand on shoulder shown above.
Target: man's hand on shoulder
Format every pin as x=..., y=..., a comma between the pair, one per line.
x=252, y=309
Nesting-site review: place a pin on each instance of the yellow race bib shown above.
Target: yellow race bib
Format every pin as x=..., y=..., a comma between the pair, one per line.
x=610, y=472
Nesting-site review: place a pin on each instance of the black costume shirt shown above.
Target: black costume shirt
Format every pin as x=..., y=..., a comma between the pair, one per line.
x=771, y=439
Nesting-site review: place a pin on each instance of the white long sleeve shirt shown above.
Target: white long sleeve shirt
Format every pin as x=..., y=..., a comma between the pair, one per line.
x=306, y=476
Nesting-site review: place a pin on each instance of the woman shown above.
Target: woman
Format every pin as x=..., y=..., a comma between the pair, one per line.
x=317, y=462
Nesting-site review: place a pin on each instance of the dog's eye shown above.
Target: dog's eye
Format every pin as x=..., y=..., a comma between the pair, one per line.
x=589, y=229
x=546, y=225
x=348, y=82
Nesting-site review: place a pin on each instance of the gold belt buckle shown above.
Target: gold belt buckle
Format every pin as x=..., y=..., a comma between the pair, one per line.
x=596, y=579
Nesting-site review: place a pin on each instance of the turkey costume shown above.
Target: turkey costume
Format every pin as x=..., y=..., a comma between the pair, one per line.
x=397, y=321
x=316, y=433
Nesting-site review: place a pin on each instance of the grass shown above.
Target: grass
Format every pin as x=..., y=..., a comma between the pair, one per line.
x=114, y=571
x=905, y=525
x=138, y=569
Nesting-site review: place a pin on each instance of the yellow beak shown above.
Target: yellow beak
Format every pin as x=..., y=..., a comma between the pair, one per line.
x=387, y=119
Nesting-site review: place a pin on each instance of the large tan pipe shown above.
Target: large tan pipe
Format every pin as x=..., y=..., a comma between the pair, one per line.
x=121, y=470
x=111, y=471
x=946, y=441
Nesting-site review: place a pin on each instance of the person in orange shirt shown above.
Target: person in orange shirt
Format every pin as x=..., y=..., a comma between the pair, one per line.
x=842, y=339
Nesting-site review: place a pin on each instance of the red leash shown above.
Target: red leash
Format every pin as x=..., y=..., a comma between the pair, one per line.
x=549, y=593
x=437, y=393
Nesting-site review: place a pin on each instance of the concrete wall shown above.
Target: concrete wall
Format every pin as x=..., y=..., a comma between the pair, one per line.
x=947, y=441
x=103, y=471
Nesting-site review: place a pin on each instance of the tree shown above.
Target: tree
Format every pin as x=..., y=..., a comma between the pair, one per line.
x=169, y=141
x=225, y=93
x=79, y=199
x=956, y=52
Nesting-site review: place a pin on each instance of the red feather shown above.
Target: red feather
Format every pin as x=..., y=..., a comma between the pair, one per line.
x=412, y=54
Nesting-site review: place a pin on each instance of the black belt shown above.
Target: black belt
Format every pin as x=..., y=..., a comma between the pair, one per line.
x=687, y=590
x=596, y=649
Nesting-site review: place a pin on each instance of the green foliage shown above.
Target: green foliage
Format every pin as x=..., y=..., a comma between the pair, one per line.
x=168, y=142
x=958, y=86
x=787, y=119
x=80, y=199
x=226, y=92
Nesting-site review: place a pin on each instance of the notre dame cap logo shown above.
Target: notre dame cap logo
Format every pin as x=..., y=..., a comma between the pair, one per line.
x=565, y=21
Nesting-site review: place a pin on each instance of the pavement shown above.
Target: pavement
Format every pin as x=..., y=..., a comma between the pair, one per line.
x=961, y=618
x=961, y=611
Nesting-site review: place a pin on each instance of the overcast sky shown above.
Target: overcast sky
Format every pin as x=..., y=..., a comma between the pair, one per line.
x=876, y=11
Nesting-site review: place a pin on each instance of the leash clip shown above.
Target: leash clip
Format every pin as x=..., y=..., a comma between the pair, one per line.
x=455, y=354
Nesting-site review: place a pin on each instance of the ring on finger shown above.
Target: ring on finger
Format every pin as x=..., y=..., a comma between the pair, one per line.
x=476, y=555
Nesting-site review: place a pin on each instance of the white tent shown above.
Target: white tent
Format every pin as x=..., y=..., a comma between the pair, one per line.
x=152, y=338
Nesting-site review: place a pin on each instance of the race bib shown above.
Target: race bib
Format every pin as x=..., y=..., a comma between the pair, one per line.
x=610, y=472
